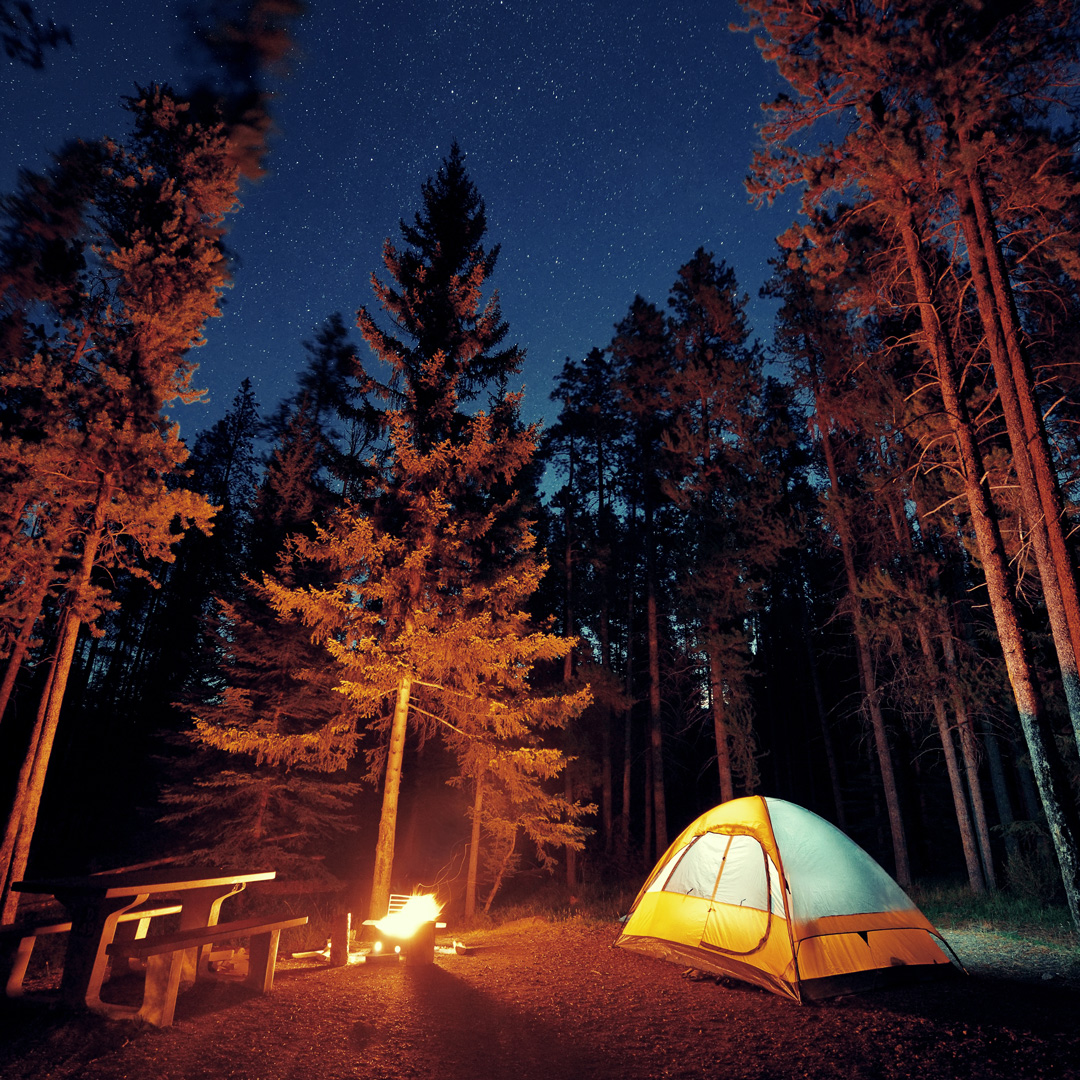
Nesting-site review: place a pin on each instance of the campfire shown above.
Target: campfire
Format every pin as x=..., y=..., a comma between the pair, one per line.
x=409, y=927
x=403, y=922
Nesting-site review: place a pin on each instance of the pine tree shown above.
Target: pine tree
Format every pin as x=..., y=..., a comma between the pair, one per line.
x=98, y=449
x=426, y=578
x=721, y=456
x=889, y=72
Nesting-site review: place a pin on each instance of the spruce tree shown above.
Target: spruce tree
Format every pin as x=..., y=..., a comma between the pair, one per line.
x=426, y=578
x=722, y=452
x=92, y=449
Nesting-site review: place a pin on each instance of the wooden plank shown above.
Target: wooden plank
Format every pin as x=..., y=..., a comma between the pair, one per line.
x=202, y=935
x=112, y=884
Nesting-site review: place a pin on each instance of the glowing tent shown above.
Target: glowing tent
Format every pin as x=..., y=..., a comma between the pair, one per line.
x=765, y=891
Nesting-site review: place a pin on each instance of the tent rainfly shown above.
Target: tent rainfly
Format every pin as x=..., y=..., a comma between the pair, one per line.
x=767, y=892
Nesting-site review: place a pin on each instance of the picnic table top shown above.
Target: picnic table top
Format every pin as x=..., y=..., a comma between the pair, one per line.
x=155, y=879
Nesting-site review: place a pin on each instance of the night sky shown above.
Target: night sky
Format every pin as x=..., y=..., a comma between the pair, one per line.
x=609, y=139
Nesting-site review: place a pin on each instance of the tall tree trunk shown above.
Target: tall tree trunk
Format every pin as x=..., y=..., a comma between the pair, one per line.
x=9, y=871
x=656, y=735
x=571, y=852
x=628, y=725
x=1002, y=799
x=952, y=767
x=1058, y=590
x=501, y=872
x=992, y=555
x=22, y=821
x=607, y=782
x=1036, y=439
x=22, y=643
x=384, y=847
x=720, y=728
x=474, y=850
x=823, y=716
x=969, y=750
x=871, y=695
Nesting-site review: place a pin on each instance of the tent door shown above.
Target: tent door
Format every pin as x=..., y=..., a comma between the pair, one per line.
x=740, y=911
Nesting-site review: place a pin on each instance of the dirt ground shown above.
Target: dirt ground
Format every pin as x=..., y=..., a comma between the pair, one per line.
x=535, y=1000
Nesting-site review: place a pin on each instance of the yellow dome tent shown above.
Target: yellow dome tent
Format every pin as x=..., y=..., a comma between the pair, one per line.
x=767, y=892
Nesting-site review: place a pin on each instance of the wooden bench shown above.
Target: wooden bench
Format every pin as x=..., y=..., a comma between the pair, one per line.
x=17, y=941
x=164, y=955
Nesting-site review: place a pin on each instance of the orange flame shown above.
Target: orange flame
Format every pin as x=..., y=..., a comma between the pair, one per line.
x=404, y=922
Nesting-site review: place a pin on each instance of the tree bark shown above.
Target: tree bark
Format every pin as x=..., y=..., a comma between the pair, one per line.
x=384, y=847
x=22, y=821
x=969, y=750
x=22, y=643
x=992, y=555
x=570, y=851
x=871, y=695
x=656, y=735
x=823, y=718
x=1034, y=428
x=474, y=850
x=1058, y=589
x=720, y=730
x=956, y=783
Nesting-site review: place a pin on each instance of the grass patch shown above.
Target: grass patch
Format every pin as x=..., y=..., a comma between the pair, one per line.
x=599, y=903
x=956, y=907
x=947, y=905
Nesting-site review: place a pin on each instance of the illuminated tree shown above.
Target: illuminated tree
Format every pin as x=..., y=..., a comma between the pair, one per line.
x=427, y=576
x=93, y=445
x=901, y=86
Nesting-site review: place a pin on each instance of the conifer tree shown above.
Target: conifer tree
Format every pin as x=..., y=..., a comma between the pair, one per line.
x=95, y=450
x=425, y=580
x=721, y=473
x=583, y=446
x=641, y=354
x=271, y=737
x=888, y=72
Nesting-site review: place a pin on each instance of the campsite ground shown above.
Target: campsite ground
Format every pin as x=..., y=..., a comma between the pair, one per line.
x=541, y=1000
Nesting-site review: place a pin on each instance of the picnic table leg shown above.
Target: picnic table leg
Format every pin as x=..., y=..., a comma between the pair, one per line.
x=200, y=908
x=93, y=926
x=262, y=958
x=162, y=983
x=19, y=960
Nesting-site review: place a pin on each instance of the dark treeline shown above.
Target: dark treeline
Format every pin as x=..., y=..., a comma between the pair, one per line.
x=837, y=567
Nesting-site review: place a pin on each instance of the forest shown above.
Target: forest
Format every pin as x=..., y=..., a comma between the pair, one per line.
x=385, y=632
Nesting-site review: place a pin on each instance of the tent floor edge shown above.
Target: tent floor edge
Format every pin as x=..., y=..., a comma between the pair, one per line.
x=709, y=961
x=860, y=982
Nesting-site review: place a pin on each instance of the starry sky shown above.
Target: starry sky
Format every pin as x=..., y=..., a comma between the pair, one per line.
x=608, y=138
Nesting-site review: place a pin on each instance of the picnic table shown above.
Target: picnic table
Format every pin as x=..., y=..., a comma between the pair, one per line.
x=97, y=903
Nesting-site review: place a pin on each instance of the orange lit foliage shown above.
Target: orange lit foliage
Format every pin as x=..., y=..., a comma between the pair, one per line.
x=427, y=575
x=924, y=99
x=122, y=290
